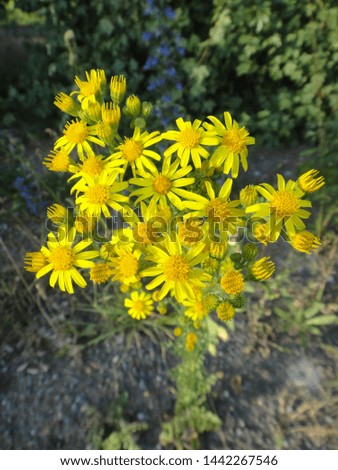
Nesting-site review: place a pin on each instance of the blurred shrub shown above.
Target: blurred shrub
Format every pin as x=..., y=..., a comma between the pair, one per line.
x=276, y=59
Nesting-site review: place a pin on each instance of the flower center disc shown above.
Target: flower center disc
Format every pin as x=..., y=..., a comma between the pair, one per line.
x=98, y=194
x=189, y=138
x=131, y=150
x=60, y=161
x=218, y=209
x=62, y=258
x=285, y=203
x=76, y=132
x=139, y=306
x=234, y=139
x=176, y=268
x=92, y=166
x=128, y=265
x=161, y=184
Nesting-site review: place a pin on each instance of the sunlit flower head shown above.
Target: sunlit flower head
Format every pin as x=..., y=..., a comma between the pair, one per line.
x=310, y=182
x=164, y=187
x=100, y=193
x=35, y=261
x=111, y=113
x=78, y=134
x=56, y=213
x=196, y=309
x=218, y=209
x=63, y=257
x=233, y=142
x=125, y=264
x=263, y=268
x=100, y=273
x=305, y=242
x=190, y=140
x=225, y=311
x=67, y=104
x=118, y=86
x=248, y=195
x=175, y=268
x=140, y=305
x=134, y=151
x=91, y=88
x=284, y=208
x=57, y=161
x=232, y=282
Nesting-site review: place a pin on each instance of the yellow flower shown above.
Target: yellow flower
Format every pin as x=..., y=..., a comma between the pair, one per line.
x=190, y=232
x=233, y=142
x=100, y=273
x=133, y=105
x=67, y=104
x=175, y=269
x=210, y=265
x=248, y=195
x=57, y=161
x=189, y=141
x=125, y=265
x=284, y=208
x=190, y=342
x=91, y=88
x=93, y=112
x=218, y=210
x=177, y=331
x=263, y=268
x=225, y=311
x=148, y=226
x=261, y=233
x=105, y=132
x=35, y=261
x=111, y=113
x=232, y=282
x=196, y=308
x=118, y=86
x=78, y=134
x=165, y=186
x=210, y=302
x=140, y=305
x=134, y=151
x=305, y=242
x=100, y=193
x=63, y=259
x=57, y=213
x=310, y=182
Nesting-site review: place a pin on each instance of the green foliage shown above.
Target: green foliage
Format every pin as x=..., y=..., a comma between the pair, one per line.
x=193, y=383
x=276, y=60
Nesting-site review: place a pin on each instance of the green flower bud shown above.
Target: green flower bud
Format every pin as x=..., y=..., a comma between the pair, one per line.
x=133, y=105
x=250, y=251
x=147, y=109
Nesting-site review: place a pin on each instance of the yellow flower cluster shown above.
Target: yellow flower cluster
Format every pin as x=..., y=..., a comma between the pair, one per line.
x=170, y=205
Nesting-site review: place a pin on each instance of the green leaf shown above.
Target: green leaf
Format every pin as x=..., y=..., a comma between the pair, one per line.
x=323, y=320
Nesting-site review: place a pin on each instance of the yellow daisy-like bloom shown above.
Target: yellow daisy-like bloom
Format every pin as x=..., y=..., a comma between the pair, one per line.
x=218, y=210
x=189, y=141
x=78, y=134
x=175, y=269
x=111, y=113
x=67, y=104
x=100, y=273
x=232, y=282
x=35, y=261
x=140, y=305
x=177, y=331
x=233, y=142
x=284, y=208
x=91, y=88
x=148, y=226
x=125, y=265
x=56, y=213
x=190, y=342
x=305, y=242
x=262, y=233
x=63, y=259
x=118, y=86
x=263, y=268
x=57, y=161
x=196, y=309
x=248, y=195
x=134, y=151
x=165, y=186
x=225, y=311
x=310, y=182
x=100, y=193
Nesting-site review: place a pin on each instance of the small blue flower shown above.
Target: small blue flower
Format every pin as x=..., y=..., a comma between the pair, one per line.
x=169, y=13
x=151, y=62
x=164, y=50
x=147, y=36
x=179, y=86
x=166, y=99
x=171, y=72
